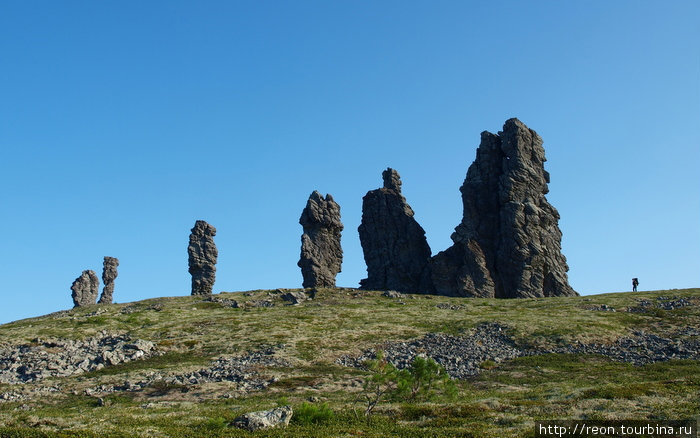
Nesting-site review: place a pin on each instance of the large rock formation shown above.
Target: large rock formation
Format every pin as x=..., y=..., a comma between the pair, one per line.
x=109, y=273
x=202, y=258
x=85, y=289
x=509, y=243
x=394, y=245
x=321, y=253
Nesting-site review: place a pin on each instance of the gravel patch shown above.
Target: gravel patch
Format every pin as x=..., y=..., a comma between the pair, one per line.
x=461, y=356
x=243, y=370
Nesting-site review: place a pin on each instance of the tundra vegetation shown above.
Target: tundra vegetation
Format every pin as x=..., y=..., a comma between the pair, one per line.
x=301, y=355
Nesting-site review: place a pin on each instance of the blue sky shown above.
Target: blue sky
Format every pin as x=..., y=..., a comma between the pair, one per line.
x=121, y=123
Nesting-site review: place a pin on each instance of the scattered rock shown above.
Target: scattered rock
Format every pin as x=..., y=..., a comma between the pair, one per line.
x=225, y=302
x=461, y=356
x=85, y=289
x=450, y=306
x=278, y=417
x=394, y=245
x=109, y=274
x=639, y=349
x=601, y=308
x=321, y=253
x=63, y=357
x=392, y=294
x=202, y=258
x=664, y=303
x=259, y=303
x=508, y=244
x=242, y=371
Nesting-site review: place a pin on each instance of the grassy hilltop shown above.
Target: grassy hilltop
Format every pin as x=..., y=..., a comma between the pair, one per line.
x=502, y=400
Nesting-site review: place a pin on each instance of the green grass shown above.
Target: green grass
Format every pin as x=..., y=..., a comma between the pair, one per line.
x=500, y=402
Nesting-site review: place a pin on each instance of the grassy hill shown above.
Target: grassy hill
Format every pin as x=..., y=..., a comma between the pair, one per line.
x=304, y=342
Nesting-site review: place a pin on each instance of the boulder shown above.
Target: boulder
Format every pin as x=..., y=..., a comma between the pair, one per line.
x=321, y=253
x=109, y=274
x=295, y=297
x=202, y=254
x=85, y=289
x=278, y=417
x=394, y=245
x=508, y=244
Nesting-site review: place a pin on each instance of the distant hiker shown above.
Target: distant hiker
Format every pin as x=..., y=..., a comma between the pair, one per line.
x=635, y=283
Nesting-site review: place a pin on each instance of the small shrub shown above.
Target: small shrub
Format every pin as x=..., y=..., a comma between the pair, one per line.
x=487, y=364
x=216, y=423
x=308, y=414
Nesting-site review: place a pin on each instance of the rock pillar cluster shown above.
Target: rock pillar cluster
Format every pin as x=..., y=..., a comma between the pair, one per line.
x=109, y=274
x=321, y=253
x=202, y=254
x=508, y=244
x=394, y=244
x=85, y=289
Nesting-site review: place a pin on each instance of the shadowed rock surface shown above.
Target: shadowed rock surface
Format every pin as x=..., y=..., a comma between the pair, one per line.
x=109, y=274
x=394, y=245
x=508, y=244
x=321, y=253
x=202, y=258
x=85, y=289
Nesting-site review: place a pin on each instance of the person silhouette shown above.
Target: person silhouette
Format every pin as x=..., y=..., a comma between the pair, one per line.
x=635, y=283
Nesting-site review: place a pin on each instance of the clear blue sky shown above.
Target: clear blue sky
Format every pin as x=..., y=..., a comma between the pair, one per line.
x=121, y=123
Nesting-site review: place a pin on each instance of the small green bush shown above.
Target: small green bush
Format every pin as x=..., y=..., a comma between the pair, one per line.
x=309, y=413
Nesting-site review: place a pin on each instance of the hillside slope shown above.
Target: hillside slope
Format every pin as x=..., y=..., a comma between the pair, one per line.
x=186, y=366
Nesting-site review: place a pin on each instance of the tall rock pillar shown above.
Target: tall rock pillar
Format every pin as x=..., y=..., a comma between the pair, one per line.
x=109, y=274
x=85, y=289
x=394, y=245
x=321, y=253
x=202, y=254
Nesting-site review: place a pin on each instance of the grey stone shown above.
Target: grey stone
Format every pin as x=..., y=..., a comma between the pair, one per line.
x=109, y=274
x=85, y=289
x=392, y=294
x=321, y=253
x=202, y=254
x=295, y=297
x=394, y=245
x=508, y=244
x=278, y=417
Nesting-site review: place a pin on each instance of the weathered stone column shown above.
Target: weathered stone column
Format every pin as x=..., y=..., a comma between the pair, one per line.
x=202, y=254
x=321, y=253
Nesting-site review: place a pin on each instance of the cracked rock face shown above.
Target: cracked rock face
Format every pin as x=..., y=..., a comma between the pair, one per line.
x=508, y=244
x=109, y=274
x=321, y=253
x=202, y=258
x=394, y=245
x=85, y=289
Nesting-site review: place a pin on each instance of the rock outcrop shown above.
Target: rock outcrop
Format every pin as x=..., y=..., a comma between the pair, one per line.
x=85, y=289
x=109, y=274
x=321, y=253
x=65, y=357
x=508, y=244
x=277, y=417
x=202, y=258
x=394, y=245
